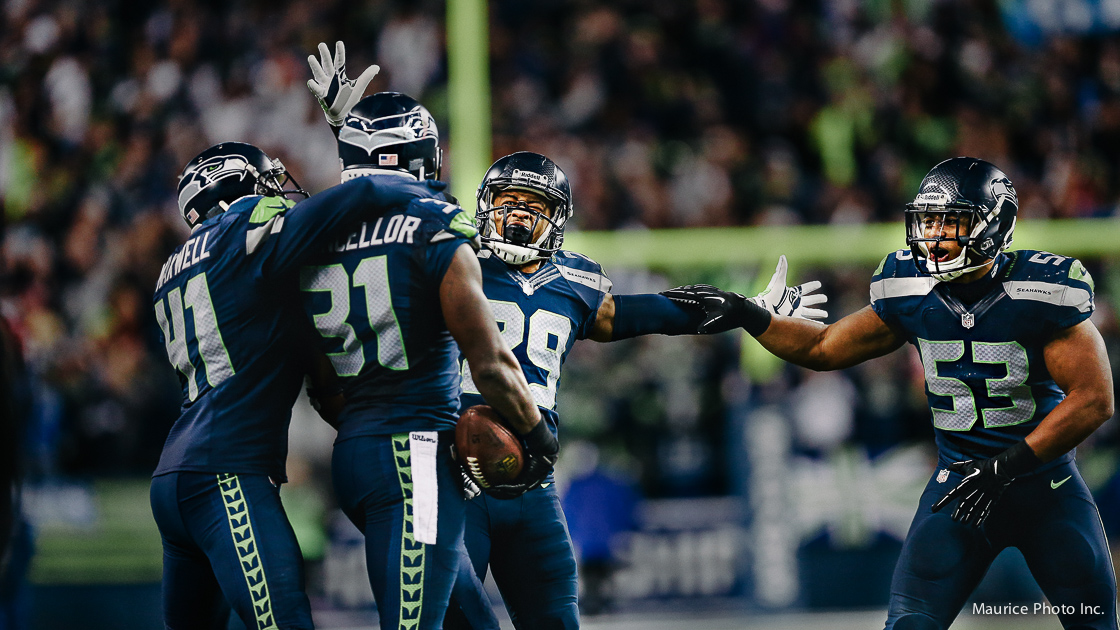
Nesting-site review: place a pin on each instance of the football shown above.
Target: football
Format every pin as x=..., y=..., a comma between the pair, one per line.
x=487, y=450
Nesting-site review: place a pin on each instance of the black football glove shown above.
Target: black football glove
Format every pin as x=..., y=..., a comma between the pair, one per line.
x=723, y=310
x=541, y=452
x=985, y=481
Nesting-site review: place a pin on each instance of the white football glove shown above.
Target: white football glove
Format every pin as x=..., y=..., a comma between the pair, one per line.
x=791, y=301
x=336, y=93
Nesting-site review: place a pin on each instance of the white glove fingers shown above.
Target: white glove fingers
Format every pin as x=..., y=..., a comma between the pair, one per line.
x=325, y=55
x=778, y=280
x=362, y=82
x=320, y=75
x=810, y=286
x=809, y=300
x=811, y=313
x=318, y=91
x=339, y=55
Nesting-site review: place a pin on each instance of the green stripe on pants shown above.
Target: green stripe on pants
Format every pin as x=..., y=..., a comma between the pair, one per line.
x=241, y=528
x=412, y=552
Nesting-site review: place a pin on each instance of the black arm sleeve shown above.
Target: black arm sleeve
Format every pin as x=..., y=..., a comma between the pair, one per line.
x=652, y=314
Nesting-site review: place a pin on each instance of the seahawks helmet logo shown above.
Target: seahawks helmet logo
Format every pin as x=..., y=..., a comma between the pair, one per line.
x=372, y=134
x=211, y=170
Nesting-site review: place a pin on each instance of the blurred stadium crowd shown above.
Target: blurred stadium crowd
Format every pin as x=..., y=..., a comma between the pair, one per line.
x=664, y=113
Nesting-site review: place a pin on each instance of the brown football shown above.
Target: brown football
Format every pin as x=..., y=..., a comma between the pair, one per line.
x=488, y=451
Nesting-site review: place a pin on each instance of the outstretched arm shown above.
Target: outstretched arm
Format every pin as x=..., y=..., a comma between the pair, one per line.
x=1078, y=363
x=625, y=316
x=286, y=236
x=781, y=319
x=628, y=316
x=850, y=341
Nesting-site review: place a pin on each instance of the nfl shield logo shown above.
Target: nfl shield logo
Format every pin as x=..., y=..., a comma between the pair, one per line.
x=387, y=159
x=968, y=320
x=943, y=476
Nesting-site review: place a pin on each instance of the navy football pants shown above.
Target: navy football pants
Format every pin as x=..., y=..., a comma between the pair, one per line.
x=1054, y=523
x=382, y=489
x=227, y=541
x=525, y=541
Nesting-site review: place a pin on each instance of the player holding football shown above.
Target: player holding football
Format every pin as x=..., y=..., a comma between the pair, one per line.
x=224, y=306
x=390, y=302
x=544, y=298
x=1016, y=376
x=547, y=298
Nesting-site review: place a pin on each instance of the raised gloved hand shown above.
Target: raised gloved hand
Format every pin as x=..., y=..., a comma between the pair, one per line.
x=337, y=94
x=985, y=481
x=791, y=301
x=541, y=452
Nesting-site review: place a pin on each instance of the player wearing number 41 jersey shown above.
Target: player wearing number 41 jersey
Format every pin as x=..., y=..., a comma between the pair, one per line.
x=1016, y=377
x=227, y=310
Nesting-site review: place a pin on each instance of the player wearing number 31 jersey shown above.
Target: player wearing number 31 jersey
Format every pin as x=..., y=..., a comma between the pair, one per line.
x=1016, y=377
x=395, y=302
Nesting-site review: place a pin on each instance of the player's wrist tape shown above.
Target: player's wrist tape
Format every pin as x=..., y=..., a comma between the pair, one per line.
x=1019, y=459
x=540, y=439
x=651, y=314
x=754, y=318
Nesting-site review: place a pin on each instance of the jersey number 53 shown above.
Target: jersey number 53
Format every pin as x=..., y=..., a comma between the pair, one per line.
x=944, y=361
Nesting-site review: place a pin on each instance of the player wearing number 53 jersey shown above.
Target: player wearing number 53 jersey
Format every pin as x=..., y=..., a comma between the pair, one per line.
x=226, y=307
x=1016, y=377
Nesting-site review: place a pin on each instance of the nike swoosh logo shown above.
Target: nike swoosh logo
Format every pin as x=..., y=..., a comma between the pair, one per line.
x=1054, y=485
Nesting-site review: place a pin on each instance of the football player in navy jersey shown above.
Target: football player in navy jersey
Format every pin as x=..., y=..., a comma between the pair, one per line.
x=546, y=298
x=226, y=305
x=395, y=303
x=1016, y=377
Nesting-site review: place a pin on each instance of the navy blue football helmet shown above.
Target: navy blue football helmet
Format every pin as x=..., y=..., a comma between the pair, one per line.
x=531, y=172
x=964, y=190
x=389, y=131
x=225, y=173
